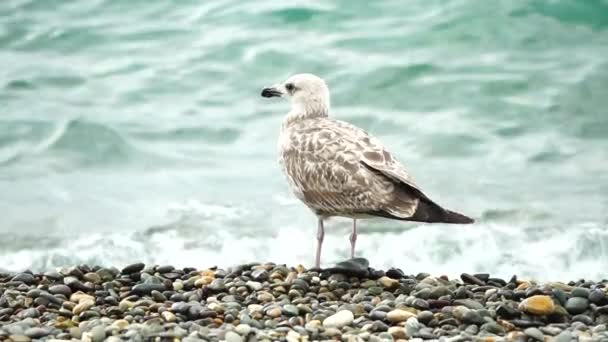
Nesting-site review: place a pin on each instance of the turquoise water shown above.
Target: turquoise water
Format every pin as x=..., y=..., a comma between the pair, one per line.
x=135, y=130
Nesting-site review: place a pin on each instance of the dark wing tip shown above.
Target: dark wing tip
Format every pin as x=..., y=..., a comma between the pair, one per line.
x=453, y=217
x=428, y=211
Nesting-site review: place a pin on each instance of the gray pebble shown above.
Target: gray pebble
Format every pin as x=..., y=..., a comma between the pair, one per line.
x=596, y=296
x=98, y=333
x=113, y=339
x=379, y=326
x=377, y=315
x=580, y=292
x=425, y=316
x=469, y=303
x=564, y=336
x=583, y=319
x=254, y=285
x=577, y=305
x=439, y=291
x=535, y=334
x=493, y=328
x=375, y=290
x=473, y=317
x=472, y=329
x=28, y=313
x=290, y=310
x=259, y=275
x=24, y=278
x=37, y=332
x=551, y=330
x=61, y=289
x=217, y=285
x=412, y=326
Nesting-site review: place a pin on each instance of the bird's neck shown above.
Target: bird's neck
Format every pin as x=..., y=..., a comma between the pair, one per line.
x=300, y=112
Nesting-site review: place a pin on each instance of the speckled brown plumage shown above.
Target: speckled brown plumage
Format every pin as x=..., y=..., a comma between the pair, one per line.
x=338, y=169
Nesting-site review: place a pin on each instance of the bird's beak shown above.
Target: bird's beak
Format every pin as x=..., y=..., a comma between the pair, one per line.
x=272, y=92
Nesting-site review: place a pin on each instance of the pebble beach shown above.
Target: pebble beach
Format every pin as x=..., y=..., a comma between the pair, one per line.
x=273, y=302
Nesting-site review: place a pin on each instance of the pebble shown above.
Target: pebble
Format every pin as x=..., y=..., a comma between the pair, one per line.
x=535, y=334
x=97, y=333
x=231, y=336
x=259, y=275
x=83, y=306
x=412, y=326
x=92, y=277
x=537, y=305
x=169, y=316
x=243, y=329
x=580, y=292
x=397, y=332
x=564, y=336
x=19, y=338
x=396, y=316
x=254, y=285
x=133, y=268
x=471, y=279
x=36, y=332
x=24, y=278
x=577, y=305
x=268, y=302
x=274, y=312
x=338, y=320
x=596, y=296
x=469, y=303
x=389, y=283
x=61, y=289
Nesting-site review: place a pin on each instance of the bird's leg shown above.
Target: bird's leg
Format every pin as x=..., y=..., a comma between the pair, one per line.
x=320, y=236
x=353, y=239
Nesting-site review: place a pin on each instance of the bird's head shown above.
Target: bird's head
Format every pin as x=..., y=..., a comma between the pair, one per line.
x=308, y=93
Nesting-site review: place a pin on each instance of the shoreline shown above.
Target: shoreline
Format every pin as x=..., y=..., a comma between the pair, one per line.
x=269, y=302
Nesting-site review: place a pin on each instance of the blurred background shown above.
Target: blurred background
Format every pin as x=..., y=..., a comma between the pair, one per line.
x=134, y=131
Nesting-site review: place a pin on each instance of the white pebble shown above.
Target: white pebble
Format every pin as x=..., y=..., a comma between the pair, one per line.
x=338, y=320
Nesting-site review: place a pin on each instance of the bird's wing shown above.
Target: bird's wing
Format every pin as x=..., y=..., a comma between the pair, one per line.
x=374, y=156
x=361, y=176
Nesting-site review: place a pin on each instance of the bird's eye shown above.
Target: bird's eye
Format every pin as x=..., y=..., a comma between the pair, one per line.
x=290, y=87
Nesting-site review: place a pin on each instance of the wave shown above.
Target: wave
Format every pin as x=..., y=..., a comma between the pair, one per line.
x=81, y=142
x=201, y=236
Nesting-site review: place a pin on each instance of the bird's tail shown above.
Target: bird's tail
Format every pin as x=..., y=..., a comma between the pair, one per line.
x=433, y=213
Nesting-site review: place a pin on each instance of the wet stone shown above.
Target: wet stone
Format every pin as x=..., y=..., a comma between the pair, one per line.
x=469, y=303
x=583, y=319
x=260, y=275
x=133, y=268
x=596, y=296
x=147, y=288
x=36, y=332
x=425, y=316
x=28, y=313
x=580, y=292
x=377, y=315
x=577, y=305
x=296, y=304
x=379, y=326
x=535, y=334
x=471, y=279
x=395, y=273
x=61, y=289
x=24, y=278
x=493, y=328
x=358, y=267
x=506, y=311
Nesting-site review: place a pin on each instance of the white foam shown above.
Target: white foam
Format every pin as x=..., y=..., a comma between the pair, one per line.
x=497, y=249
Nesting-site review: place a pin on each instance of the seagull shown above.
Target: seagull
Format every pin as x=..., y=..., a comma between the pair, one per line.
x=340, y=170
